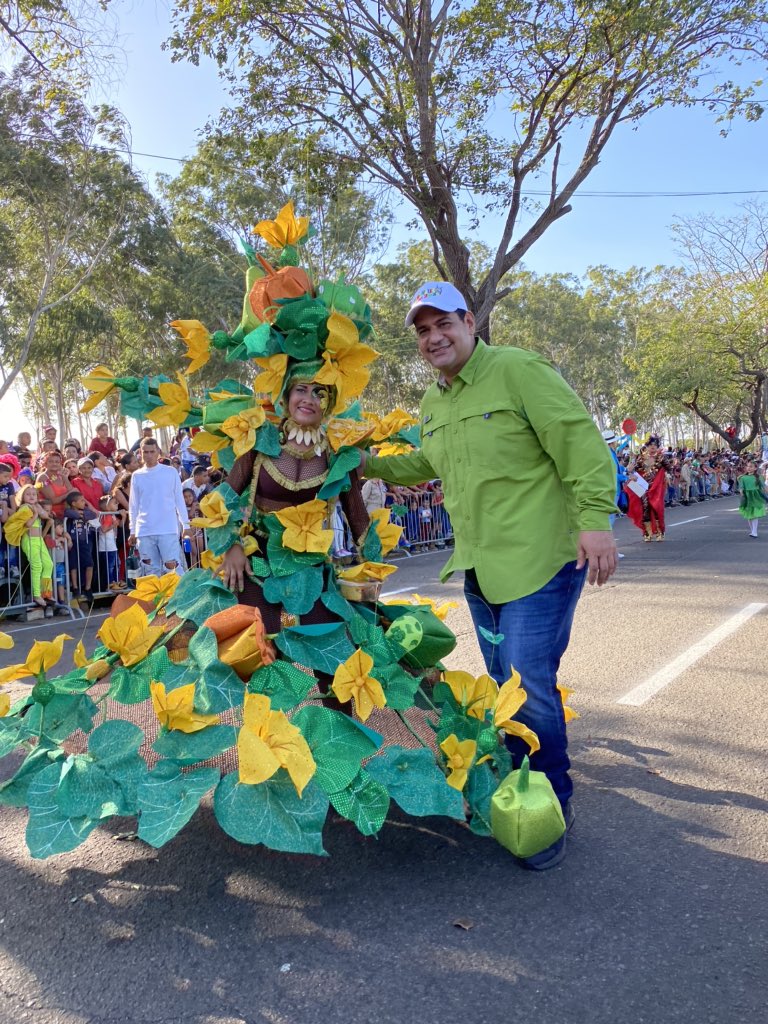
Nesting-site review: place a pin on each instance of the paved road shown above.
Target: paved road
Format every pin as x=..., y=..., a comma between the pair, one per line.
x=658, y=914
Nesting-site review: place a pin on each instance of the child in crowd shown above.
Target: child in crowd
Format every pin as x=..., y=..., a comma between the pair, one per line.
x=62, y=544
x=77, y=518
x=196, y=537
x=107, y=544
x=9, y=555
x=25, y=530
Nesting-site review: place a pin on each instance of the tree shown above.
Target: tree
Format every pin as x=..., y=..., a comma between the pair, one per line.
x=58, y=34
x=463, y=108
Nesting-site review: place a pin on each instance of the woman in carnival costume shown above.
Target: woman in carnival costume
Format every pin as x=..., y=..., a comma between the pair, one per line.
x=754, y=501
x=268, y=668
x=647, y=510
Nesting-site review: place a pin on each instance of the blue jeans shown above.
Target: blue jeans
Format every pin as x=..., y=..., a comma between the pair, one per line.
x=536, y=631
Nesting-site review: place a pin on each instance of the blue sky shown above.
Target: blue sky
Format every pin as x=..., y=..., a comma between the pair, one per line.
x=672, y=150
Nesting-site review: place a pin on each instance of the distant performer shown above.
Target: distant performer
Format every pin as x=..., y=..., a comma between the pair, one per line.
x=754, y=500
x=646, y=488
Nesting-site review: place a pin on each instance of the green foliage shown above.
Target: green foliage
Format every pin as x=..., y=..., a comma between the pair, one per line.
x=296, y=593
x=364, y=802
x=319, y=647
x=167, y=799
x=187, y=748
x=200, y=595
x=284, y=684
x=338, y=745
x=49, y=830
x=272, y=813
x=415, y=782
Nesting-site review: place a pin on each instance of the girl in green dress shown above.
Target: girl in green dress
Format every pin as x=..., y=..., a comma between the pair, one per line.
x=754, y=502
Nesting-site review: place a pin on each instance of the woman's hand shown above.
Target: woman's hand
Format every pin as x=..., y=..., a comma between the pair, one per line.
x=235, y=568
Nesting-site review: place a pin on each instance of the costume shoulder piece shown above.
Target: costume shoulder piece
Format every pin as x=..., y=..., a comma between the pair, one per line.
x=233, y=711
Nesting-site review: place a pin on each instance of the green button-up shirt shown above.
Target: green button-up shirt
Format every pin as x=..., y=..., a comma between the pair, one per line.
x=523, y=466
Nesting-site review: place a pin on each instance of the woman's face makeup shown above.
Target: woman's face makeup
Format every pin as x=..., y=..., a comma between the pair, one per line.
x=307, y=404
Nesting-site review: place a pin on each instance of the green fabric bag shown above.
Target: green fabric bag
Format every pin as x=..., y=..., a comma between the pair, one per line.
x=526, y=816
x=437, y=640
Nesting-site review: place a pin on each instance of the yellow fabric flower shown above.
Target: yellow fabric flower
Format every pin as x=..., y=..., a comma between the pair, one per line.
x=393, y=423
x=459, y=755
x=206, y=442
x=440, y=610
x=101, y=382
x=349, y=432
x=250, y=545
x=176, y=403
x=345, y=368
x=176, y=710
x=79, y=656
x=6, y=642
x=157, y=589
x=42, y=656
x=270, y=381
x=387, y=532
x=5, y=704
x=242, y=428
x=198, y=341
x=351, y=681
x=476, y=695
x=510, y=699
x=268, y=741
x=368, y=571
x=97, y=669
x=342, y=332
x=215, y=512
x=397, y=448
x=568, y=712
x=304, y=527
x=129, y=634
x=211, y=562
x=285, y=229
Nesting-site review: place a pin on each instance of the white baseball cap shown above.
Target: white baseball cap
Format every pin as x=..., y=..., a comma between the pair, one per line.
x=436, y=295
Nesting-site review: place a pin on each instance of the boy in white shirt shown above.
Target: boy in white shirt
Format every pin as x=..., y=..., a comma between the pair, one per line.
x=157, y=513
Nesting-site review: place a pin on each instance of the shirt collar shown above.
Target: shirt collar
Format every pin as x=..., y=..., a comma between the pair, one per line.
x=469, y=369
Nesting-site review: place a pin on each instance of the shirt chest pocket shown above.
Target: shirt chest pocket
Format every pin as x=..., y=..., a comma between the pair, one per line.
x=436, y=439
x=496, y=434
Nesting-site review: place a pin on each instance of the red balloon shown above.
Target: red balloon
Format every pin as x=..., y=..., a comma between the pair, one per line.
x=629, y=426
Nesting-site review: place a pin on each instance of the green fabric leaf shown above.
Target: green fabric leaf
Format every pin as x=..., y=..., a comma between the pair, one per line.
x=284, y=684
x=168, y=798
x=272, y=813
x=73, y=682
x=65, y=713
x=220, y=689
x=256, y=341
x=260, y=567
x=346, y=460
x=372, y=550
x=113, y=741
x=234, y=387
x=200, y=595
x=9, y=734
x=220, y=539
x=284, y=561
x=131, y=685
x=268, y=440
x=371, y=638
x=322, y=647
x=226, y=458
x=233, y=501
x=399, y=686
x=87, y=791
x=189, y=747
x=415, y=782
x=411, y=435
x=364, y=802
x=13, y=792
x=48, y=830
x=338, y=605
x=337, y=743
x=492, y=638
x=296, y=593
x=480, y=787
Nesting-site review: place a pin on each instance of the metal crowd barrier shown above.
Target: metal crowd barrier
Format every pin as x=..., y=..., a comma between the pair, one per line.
x=425, y=522
x=15, y=590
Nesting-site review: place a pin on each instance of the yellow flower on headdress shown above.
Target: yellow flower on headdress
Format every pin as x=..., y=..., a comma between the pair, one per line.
x=42, y=656
x=349, y=432
x=242, y=428
x=304, y=527
x=568, y=712
x=268, y=741
x=393, y=423
x=342, y=332
x=285, y=229
x=368, y=571
x=6, y=642
x=206, y=442
x=396, y=448
x=211, y=562
x=176, y=403
x=345, y=363
x=156, y=589
x=476, y=695
x=509, y=701
x=129, y=634
x=198, y=341
x=352, y=681
x=387, y=532
x=270, y=382
x=100, y=381
x=176, y=710
x=459, y=755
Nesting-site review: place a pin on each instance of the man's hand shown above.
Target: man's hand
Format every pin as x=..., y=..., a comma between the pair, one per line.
x=599, y=549
x=186, y=532
x=132, y=541
x=235, y=568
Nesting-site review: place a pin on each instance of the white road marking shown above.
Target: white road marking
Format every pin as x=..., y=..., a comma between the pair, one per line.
x=684, y=521
x=402, y=590
x=642, y=693
x=61, y=622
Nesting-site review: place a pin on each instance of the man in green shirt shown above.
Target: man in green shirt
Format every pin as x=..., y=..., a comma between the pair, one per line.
x=529, y=487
